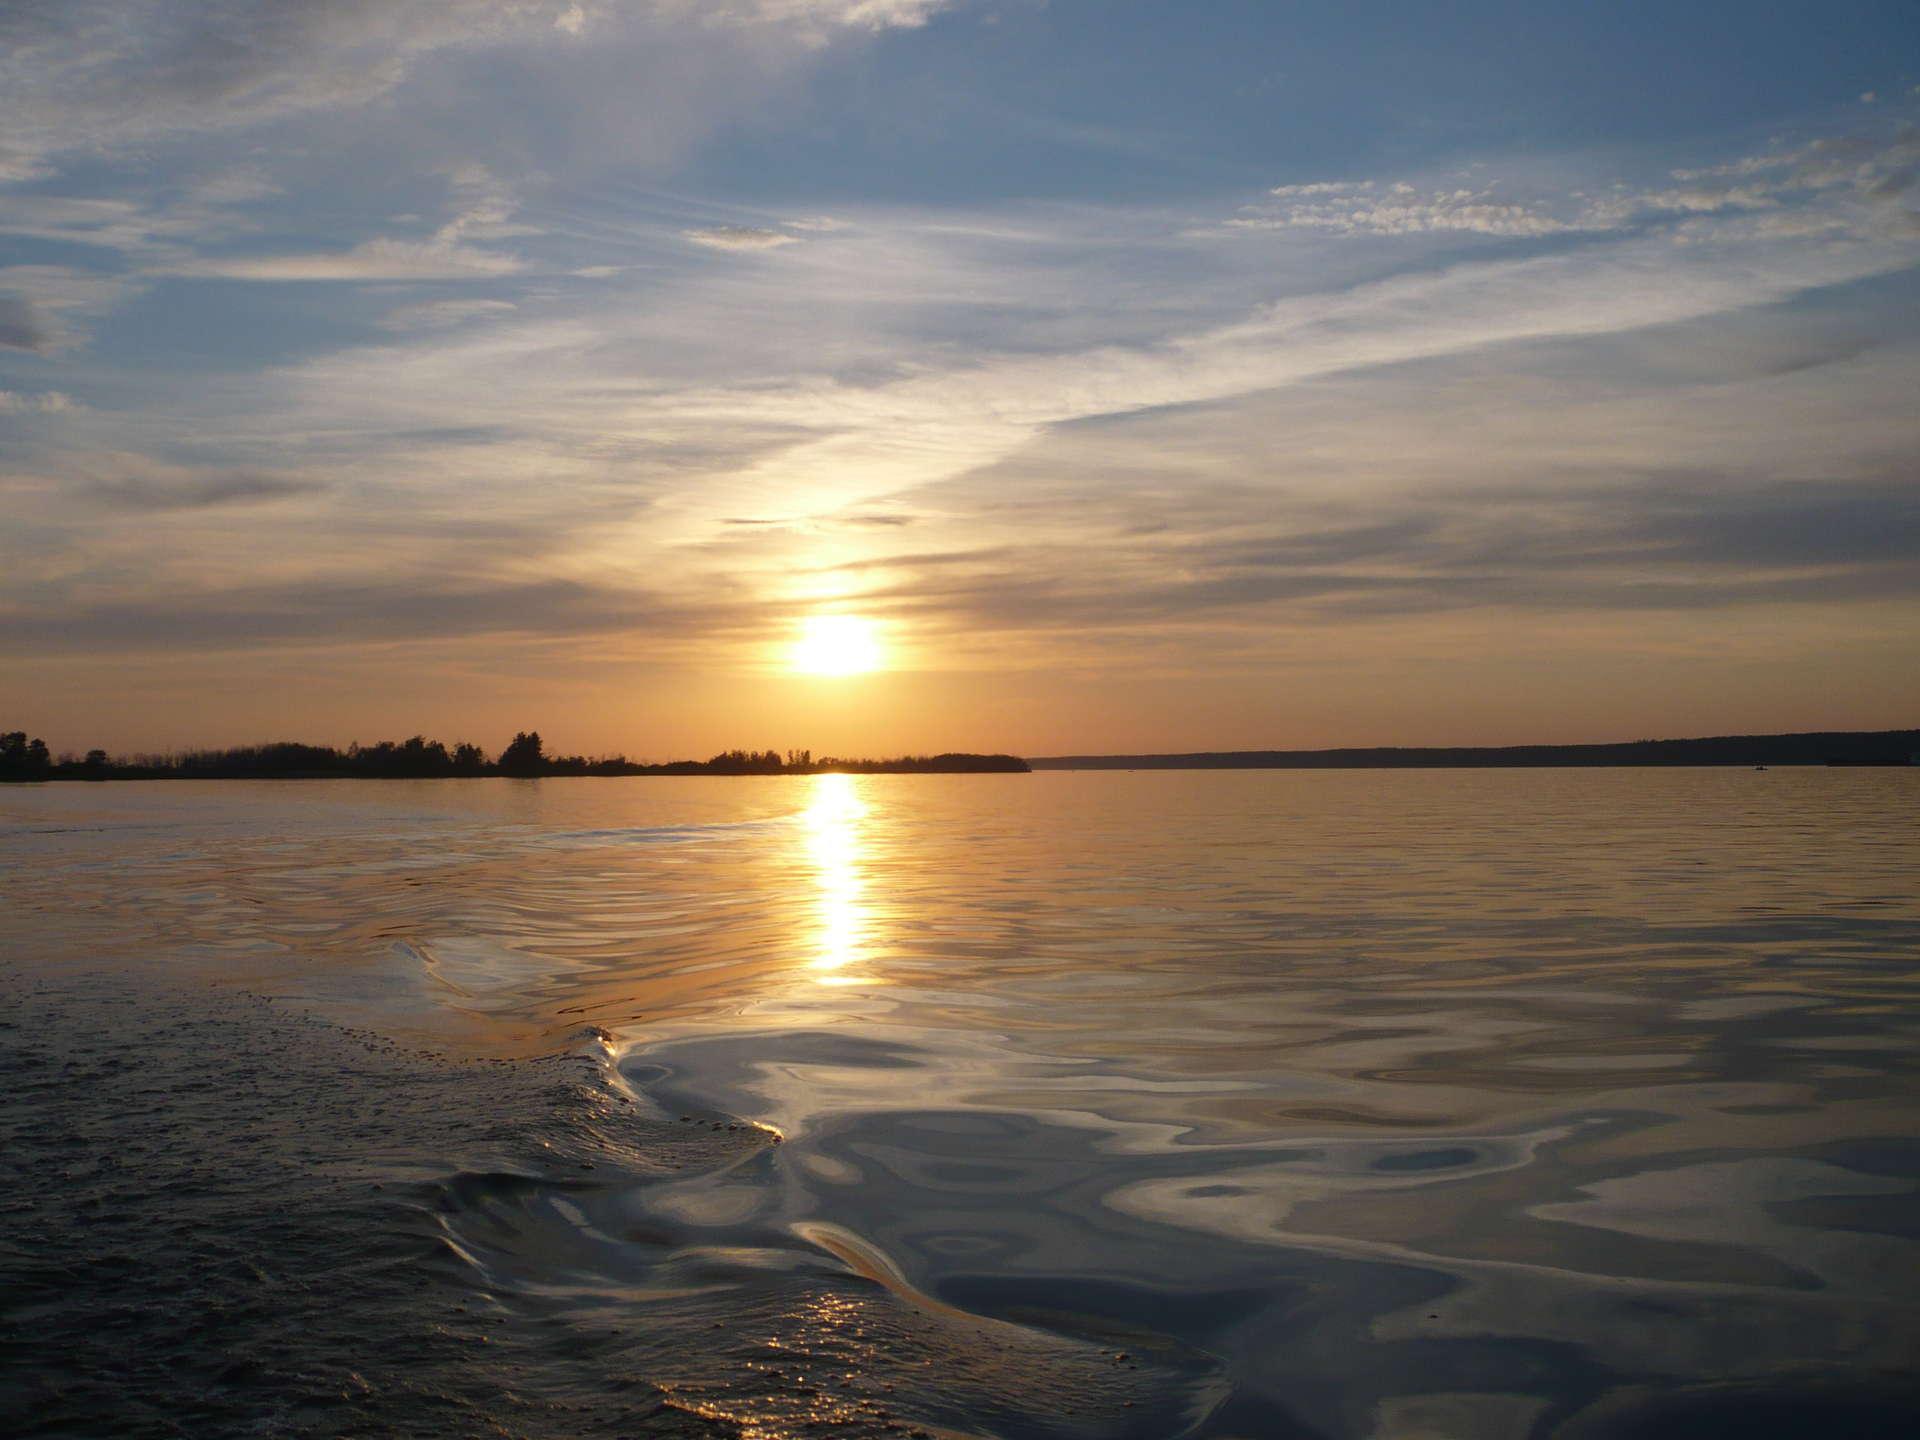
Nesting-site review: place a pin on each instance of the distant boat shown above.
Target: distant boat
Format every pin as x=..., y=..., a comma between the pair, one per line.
x=1759, y=767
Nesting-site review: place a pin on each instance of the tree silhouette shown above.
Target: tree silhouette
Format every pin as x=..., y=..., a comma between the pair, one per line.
x=23, y=759
x=523, y=755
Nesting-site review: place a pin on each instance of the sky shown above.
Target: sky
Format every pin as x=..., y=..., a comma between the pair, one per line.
x=1141, y=376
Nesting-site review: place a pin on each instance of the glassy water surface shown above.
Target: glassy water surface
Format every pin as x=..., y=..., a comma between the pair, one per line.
x=1473, y=1103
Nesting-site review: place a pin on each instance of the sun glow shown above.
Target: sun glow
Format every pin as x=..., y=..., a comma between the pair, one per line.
x=837, y=645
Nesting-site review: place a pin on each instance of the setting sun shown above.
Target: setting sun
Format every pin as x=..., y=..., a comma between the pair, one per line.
x=837, y=645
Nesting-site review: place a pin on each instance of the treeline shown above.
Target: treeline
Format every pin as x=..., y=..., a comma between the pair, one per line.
x=419, y=758
x=1824, y=747
x=804, y=762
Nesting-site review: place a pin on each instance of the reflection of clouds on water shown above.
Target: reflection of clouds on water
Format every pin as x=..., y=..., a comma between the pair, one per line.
x=1747, y=1206
x=834, y=851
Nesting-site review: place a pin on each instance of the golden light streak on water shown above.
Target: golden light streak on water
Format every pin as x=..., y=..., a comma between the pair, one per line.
x=835, y=850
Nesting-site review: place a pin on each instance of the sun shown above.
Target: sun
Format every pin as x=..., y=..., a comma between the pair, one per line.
x=837, y=645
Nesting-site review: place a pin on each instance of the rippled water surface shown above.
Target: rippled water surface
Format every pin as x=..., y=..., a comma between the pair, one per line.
x=1470, y=1103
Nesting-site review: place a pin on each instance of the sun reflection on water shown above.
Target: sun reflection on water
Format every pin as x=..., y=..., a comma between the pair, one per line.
x=835, y=849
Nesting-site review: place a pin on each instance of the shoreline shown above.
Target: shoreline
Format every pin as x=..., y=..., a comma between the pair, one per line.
x=1894, y=749
x=662, y=773
x=1078, y=765
x=25, y=762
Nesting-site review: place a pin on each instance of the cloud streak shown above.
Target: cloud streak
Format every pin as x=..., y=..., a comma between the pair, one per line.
x=928, y=427
x=739, y=237
x=195, y=493
x=47, y=402
x=374, y=260
x=1868, y=169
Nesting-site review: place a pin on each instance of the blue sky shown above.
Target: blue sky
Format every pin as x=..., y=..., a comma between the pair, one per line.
x=1151, y=375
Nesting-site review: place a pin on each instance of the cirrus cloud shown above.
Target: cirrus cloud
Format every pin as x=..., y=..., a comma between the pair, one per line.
x=739, y=237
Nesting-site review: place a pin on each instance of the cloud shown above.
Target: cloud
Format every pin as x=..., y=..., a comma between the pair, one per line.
x=739, y=237
x=1094, y=425
x=656, y=396
x=47, y=402
x=20, y=163
x=237, y=185
x=1745, y=461
x=181, y=491
x=443, y=314
x=20, y=327
x=1893, y=182
x=101, y=75
x=1869, y=166
x=198, y=215
x=1320, y=187
x=1664, y=542
x=938, y=422
x=372, y=260
x=817, y=18
x=483, y=209
x=45, y=308
x=331, y=613
x=94, y=74
x=1368, y=207
x=1358, y=213
x=1689, y=200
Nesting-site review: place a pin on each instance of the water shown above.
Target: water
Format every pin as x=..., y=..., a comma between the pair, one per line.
x=1467, y=1103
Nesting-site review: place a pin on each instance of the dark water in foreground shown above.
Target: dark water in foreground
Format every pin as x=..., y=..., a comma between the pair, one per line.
x=1480, y=1104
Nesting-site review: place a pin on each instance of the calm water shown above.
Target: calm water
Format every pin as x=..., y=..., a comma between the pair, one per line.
x=1498, y=1103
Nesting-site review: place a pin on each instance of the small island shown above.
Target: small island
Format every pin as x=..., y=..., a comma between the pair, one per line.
x=418, y=758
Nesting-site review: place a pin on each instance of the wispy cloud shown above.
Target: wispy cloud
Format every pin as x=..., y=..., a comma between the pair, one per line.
x=327, y=614
x=194, y=492
x=941, y=423
x=1683, y=543
x=483, y=209
x=91, y=488
x=1400, y=209
x=1860, y=168
x=443, y=314
x=97, y=75
x=48, y=309
x=47, y=402
x=373, y=260
x=20, y=327
x=739, y=237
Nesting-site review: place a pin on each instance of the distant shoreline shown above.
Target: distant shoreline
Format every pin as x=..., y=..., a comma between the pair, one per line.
x=418, y=759
x=671, y=768
x=1823, y=747
x=29, y=761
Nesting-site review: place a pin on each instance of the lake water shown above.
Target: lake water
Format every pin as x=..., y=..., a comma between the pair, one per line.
x=1396, y=1104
